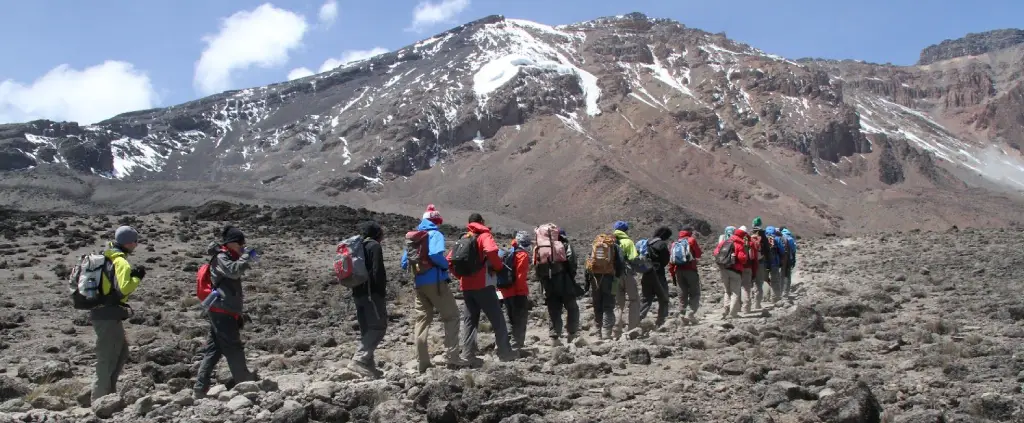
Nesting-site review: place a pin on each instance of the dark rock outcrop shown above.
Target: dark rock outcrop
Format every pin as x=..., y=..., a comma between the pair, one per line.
x=971, y=45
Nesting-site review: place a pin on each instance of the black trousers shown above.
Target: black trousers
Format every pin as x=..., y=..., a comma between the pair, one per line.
x=225, y=341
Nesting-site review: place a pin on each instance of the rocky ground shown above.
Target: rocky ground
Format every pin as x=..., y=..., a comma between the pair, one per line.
x=899, y=327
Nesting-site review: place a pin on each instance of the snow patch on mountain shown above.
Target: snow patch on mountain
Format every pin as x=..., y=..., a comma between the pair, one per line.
x=507, y=46
x=131, y=154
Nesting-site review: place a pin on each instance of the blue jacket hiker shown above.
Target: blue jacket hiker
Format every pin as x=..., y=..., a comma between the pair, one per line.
x=433, y=295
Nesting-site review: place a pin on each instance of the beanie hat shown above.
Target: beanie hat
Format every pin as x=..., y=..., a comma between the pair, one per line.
x=125, y=235
x=743, y=228
x=757, y=222
x=729, y=230
x=785, y=231
x=621, y=226
x=232, y=234
x=433, y=215
x=523, y=239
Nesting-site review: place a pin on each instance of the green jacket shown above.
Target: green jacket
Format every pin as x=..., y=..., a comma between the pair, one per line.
x=626, y=245
x=126, y=284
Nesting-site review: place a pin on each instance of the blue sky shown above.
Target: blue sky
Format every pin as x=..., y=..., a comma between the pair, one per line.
x=88, y=60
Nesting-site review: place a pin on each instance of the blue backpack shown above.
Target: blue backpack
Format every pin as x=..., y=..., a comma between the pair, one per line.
x=507, y=274
x=643, y=263
x=681, y=253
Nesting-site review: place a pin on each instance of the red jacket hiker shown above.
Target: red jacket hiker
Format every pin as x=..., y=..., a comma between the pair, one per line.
x=521, y=288
x=738, y=240
x=694, y=249
x=489, y=251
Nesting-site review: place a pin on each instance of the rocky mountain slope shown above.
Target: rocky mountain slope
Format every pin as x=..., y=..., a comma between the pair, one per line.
x=882, y=328
x=620, y=117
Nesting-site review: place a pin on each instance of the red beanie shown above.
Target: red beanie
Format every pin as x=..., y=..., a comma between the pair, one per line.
x=433, y=215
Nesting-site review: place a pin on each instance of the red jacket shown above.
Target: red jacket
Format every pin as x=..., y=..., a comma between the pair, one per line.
x=694, y=249
x=739, y=243
x=521, y=288
x=489, y=251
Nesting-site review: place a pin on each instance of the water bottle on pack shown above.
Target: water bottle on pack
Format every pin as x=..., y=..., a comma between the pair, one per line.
x=210, y=299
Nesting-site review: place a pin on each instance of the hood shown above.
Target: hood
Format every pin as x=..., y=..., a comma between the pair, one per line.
x=113, y=251
x=427, y=225
x=786, y=232
x=684, y=234
x=371, y=229
x=739, y=233
x=478, y=228
x=770, y=231
x=620, y=234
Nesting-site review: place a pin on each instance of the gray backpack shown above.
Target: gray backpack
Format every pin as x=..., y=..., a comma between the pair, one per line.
x=350, y=262
x=86, y=281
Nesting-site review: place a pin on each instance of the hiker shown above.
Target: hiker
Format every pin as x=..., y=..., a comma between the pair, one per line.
x=727, y=289
x=558, y=279
x=731, y=256
x=604, y=268
x=371, y=307
x=790, y=262
x=653, y=283
x=231, y=259
x=683, y=257
x=429, y=266
x=776, y=257
x=760, y=275
x=516, y=298
x=474, y=260
x=749, y=269
x=108, y=318
x=628, y=295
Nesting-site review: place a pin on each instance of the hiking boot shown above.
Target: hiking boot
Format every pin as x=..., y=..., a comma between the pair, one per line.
x=473, y=361
x=691, y=317
x=555, y=342
x=456, y=362
x=365, y=370
x=198, y=394
x=757, y=305
x=570, y=338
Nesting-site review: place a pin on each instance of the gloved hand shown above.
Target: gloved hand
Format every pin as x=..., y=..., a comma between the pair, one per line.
x=139, y=271
x=251, y=253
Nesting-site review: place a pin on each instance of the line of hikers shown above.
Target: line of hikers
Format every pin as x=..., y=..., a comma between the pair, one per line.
x=490, y=278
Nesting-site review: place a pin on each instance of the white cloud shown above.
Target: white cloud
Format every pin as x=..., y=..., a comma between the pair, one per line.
x=429, y=13
x=85, y=96
x=299, y=73
x=351, y=56
x=328, y=13
x=262, y=37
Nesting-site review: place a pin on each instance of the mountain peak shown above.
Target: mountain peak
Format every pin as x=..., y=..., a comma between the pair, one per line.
x=972, y=44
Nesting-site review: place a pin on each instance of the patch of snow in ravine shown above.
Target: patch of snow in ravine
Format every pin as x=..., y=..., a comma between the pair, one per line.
x=479, y=141
x=130, y=154
x=498, y=72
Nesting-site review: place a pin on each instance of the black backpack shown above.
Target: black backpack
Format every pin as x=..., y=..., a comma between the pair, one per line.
x=466, y=258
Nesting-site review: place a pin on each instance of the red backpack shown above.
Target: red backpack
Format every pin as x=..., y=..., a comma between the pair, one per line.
x=204, y=280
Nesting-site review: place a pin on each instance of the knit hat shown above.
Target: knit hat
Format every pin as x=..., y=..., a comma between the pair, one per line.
x=126, y=235
x=757, y=222
x=621, y=226
x=232, y=234
x=523, y=239
x=785, y=231
x=561, y=232
x=433, y=215
x=729, y=230
x=743, y=228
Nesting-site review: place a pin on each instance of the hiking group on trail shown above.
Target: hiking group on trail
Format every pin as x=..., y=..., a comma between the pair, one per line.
x=625, y=280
